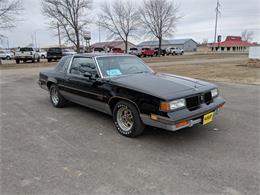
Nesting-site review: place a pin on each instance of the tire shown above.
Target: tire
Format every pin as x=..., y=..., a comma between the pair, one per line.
x=8, y=58
x=38, y=60
x=17, y=61
x=128, y=110
x=43, y=57
x=49, y=60
x=33, y=60
x=57, y=99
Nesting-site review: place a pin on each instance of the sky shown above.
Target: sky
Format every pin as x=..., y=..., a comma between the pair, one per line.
x=197, y=22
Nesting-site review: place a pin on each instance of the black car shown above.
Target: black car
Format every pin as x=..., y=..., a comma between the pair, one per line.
x=54, y=53
x=125, y=87
x=156, y=51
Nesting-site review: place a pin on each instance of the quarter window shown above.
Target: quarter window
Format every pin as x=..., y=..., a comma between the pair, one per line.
x=63, y=64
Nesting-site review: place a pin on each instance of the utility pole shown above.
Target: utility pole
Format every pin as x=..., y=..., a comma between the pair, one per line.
x=8, y=43
x=99, y=32
x=58, y=25
x=35, y=39
x=216, y=22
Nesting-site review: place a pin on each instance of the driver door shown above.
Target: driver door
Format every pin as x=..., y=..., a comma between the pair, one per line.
x=85, y=90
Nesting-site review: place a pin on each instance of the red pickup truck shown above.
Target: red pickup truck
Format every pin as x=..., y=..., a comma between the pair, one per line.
x=117, y=50
x=147, y=52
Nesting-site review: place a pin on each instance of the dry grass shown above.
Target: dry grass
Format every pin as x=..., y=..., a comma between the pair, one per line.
x=219, y=72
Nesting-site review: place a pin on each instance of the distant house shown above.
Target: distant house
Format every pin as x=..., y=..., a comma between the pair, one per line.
x=108, y=46
x=232, y=43
x=185, y=44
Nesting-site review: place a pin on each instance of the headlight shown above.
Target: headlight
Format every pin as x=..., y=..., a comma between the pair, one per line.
x=173, y=105
x=214, y=93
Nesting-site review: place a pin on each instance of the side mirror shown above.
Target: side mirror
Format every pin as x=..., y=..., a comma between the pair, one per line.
x=87, y=75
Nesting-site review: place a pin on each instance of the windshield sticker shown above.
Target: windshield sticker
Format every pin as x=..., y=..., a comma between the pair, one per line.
x=114, y=72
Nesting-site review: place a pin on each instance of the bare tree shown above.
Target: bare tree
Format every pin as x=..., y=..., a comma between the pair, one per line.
x=120, y=19
x=247, y=35
x=71, y=15
x=9, y=12
x=204, y=42
x=159, y=18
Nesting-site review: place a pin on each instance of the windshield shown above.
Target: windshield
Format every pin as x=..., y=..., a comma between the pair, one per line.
x=121, y=65
x=54, y=50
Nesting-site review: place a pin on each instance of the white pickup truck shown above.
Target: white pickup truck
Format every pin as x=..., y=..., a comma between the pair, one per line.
x=174, y=51
x=27, y=54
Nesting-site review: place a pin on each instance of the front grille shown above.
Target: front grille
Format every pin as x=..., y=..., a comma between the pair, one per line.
x=193, y=103
x=208, y=98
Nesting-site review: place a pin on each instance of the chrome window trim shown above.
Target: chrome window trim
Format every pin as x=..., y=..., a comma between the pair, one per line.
x=97, y=67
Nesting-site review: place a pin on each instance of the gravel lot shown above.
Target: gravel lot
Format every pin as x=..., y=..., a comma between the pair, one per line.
x=77, y=150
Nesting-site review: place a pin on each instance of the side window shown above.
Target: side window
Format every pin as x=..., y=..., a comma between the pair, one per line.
x=63, y=64
x=80, y=65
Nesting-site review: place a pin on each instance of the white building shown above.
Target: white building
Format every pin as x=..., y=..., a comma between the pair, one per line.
x=188, y=45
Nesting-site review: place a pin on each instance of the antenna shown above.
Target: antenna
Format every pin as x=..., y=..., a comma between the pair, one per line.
x=216, y=22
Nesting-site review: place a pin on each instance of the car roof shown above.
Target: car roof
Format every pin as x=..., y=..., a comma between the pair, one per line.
x=100, y=55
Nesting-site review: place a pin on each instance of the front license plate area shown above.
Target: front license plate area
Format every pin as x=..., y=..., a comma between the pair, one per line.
x=208, y=118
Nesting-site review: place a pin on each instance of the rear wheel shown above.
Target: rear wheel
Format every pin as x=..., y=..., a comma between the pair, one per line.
x=57, y=99
x=127, y=120
x=17, y=61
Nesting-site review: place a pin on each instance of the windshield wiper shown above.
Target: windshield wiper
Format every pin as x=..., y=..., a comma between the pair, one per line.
x=141, y=72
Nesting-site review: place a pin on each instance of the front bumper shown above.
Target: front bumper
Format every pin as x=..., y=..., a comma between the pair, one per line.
x=24, y=57
x=191, y=118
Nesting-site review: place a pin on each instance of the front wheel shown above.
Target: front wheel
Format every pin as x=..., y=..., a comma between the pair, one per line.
x=57, y=99
x=127, y=120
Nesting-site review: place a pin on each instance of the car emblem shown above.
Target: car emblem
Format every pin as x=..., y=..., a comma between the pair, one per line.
x=202, y=98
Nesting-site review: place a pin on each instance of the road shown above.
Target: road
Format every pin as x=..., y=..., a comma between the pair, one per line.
x=76, y=150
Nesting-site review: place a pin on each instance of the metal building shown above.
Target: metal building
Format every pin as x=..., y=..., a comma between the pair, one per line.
x=188, y=45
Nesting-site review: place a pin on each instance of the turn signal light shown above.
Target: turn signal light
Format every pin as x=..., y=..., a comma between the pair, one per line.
x=181, y=124
x=165, y=106
x=221, y=106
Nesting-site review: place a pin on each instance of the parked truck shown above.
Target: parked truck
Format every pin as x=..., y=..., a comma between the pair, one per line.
x=27, y=54
x=147, y=52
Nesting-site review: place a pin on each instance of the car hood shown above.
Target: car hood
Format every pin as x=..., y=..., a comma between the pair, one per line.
x=164, y=86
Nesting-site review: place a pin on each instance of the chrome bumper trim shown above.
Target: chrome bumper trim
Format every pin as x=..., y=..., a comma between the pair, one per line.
x=170, y=126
